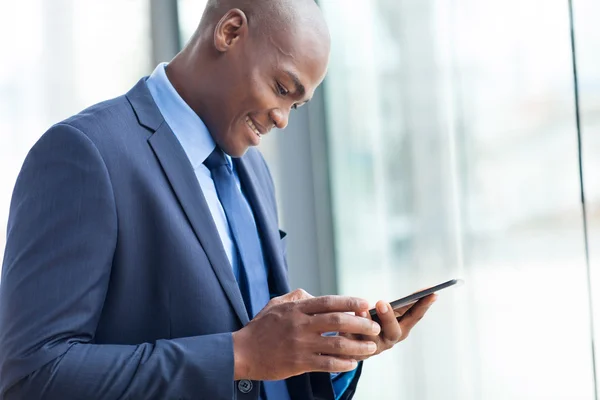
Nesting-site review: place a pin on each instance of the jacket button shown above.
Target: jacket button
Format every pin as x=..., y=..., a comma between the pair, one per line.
x=245, y=386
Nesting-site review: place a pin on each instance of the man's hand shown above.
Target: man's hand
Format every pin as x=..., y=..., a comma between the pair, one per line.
x=285, y=339
x=395, y=324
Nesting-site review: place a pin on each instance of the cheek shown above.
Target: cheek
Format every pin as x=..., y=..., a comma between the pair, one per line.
x=253, y=94
x=259, y=96
x=260, y=92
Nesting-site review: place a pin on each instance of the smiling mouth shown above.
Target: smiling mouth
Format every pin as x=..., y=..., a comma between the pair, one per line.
x=253, y=127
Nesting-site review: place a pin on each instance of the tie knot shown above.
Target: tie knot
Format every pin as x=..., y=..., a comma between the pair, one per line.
x=216, y=159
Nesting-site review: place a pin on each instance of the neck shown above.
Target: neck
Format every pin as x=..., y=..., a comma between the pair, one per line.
x=192, y=74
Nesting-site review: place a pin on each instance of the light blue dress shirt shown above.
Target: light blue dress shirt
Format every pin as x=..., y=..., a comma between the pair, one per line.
x=198, y=144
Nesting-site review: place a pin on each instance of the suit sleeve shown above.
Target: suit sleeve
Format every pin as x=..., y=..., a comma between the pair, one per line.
x=62, y=234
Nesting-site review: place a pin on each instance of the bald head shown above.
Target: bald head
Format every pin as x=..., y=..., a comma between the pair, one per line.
x=270, y=16
x=249, y=63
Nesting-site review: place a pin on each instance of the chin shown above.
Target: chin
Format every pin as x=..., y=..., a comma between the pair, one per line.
x=234, y=150
x=238, y=154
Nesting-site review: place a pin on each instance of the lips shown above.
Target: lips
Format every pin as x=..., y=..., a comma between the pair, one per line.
x=253, y=126
x=253, y=132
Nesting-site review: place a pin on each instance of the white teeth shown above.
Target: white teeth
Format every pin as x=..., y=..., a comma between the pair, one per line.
x=252, y=126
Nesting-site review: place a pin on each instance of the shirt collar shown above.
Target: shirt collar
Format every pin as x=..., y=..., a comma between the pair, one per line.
x=187, y=126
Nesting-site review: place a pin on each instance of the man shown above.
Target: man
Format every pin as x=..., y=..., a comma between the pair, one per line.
x=143, y=256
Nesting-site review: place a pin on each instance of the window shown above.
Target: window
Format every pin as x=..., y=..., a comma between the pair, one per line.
x=587, y=33
x=60, y=57
x=453, y=150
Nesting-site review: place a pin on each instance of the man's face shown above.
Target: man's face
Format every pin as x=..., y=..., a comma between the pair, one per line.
x=264, y=77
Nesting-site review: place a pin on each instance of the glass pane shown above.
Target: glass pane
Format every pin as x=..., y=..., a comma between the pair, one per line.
x=60, y=56
x=189, y=12
x=587, y=31
x=454, y=153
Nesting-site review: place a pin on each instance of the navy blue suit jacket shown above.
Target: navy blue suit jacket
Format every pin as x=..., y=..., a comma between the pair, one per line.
x=115, y=283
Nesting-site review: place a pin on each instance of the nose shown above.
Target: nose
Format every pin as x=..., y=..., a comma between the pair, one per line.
x=279, y=117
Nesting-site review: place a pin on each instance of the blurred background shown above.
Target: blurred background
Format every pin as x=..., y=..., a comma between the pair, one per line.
x=449, y=140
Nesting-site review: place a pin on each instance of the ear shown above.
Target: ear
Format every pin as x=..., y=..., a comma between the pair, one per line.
x=229, y=29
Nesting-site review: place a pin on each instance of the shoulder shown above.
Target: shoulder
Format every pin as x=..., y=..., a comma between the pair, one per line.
x=255, y=158
x=106, y=120
x=110, y=127
x=256, y=161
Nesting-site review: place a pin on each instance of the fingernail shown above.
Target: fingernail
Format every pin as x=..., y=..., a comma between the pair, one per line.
x=375, y=328
x=362, y=303
x=382, y=308
x=354, y=364
x=363, y=314
x=371, y=347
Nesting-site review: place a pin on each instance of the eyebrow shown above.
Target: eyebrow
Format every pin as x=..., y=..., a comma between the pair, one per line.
x=299, y=86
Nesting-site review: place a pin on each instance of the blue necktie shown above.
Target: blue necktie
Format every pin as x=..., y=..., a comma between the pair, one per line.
x=252, y=275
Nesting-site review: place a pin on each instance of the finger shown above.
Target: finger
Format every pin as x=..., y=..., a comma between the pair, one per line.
x=298, y=294
x=343, y=346
x=325, y=363
x=341, y=322
x=399, y=312
x=390, y=328
x=422, y=289
x=327, y=304
x=402, y=310
x=416, y=313
x=357, y=358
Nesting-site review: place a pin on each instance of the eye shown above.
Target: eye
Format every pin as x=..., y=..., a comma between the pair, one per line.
x=298, y=105
x=282, y=91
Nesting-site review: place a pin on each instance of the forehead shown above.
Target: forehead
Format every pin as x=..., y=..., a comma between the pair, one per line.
x=302, y=53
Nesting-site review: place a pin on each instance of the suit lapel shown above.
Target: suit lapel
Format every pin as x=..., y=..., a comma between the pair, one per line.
x=267, y=225
x=180, y=174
